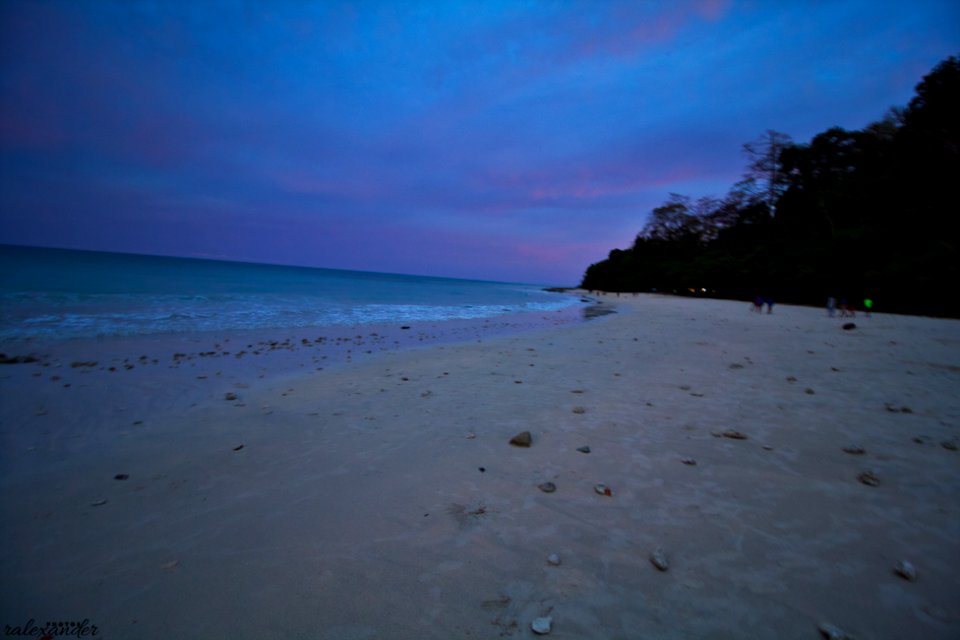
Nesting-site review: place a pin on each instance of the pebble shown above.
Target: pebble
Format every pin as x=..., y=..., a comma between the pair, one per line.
x=849, y=326
x=579, y=410
x=553, y=559
x=659, y=559
x=949, y=445
x=522, y=439
x=230, y=396
x=869, y=479
x=906, y=570
x=542, y=626
x=854, y=449
x=689, y=461
x=547, y=487
x=98, y=503
x=583, y=449
x=832, y=632
x=603, y=490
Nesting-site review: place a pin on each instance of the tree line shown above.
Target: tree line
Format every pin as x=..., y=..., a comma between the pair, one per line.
x=851, y=214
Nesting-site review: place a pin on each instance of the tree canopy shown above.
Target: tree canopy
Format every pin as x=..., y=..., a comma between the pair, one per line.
x=851, y=214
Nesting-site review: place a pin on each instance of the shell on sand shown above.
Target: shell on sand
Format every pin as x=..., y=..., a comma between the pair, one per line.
x=542, y=626
x=659, y=559
x=734, y=435
x=906, y=570
x=868, y=478
x=833, y=632
x=553, y=559
x=603, y=490
x=547, y=487
x=522, y=439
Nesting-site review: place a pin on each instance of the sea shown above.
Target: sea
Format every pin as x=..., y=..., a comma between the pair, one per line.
x=60, y=294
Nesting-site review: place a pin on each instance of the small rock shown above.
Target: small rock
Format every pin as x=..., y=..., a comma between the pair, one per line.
x=482, y=469
x=121, y=476
x=849, y=326
x=734, y=435
x=809, y=391
x=949, y=445
x=603, y=490
x=547, y=487
x=791, y=378
x=689, y=461
x=238, y=447
x=832, y=632
x=583, y=449
x=854, y=449
x=869, y=479
x=471, y=436
x=542, y=626
x=659, y=559
x=522, y=439
x=767, y=447
x=579, y=410
x=98, y=503
x=906, y=570
x=230, y=396
x=553, y=559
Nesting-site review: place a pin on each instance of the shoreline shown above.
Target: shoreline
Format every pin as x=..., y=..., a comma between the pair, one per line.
x=382, y=500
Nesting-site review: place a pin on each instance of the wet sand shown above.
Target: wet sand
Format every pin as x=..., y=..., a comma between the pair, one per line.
x=379, y=498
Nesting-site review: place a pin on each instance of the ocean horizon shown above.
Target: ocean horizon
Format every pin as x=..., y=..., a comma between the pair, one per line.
x=54, y=293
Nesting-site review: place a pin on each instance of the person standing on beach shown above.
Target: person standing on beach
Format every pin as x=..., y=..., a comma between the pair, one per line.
x=769, y=304
x=867, y=305
x=831, y=306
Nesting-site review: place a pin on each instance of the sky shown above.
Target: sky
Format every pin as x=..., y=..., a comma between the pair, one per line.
x=507, y=140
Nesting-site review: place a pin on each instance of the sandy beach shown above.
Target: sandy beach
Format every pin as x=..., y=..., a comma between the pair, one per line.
x=380, y=498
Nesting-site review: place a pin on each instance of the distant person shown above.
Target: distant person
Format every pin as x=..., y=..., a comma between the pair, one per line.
x=846, y=310
x=758, y=304
x=769, y=304
x=867, y=305
x=831, y=306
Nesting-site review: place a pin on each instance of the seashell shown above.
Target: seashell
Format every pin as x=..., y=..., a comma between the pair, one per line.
x=854, y=449
x=869, y=479
x=522, y=439
x=832, y=632
x=583, y=449
x=542, y=626
x=906, y=570
x=547, y=487
x=553, y=559
x=659, y=559
x=603, y=490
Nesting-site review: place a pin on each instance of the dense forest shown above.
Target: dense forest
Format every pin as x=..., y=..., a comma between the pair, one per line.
x=852, y=214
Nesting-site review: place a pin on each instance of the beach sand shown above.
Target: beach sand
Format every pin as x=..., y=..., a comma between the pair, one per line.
x=381, y=498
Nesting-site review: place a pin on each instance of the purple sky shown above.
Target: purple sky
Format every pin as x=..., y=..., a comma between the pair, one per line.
x=501, y=140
